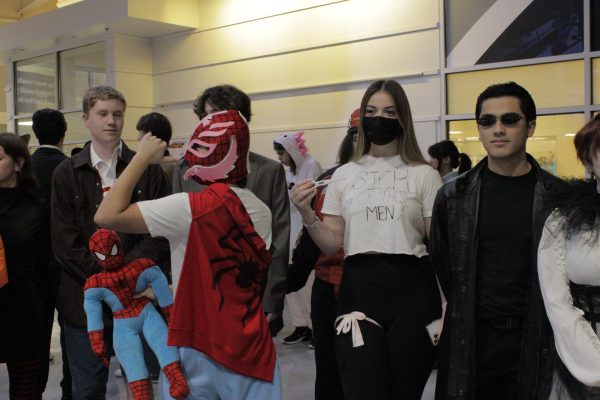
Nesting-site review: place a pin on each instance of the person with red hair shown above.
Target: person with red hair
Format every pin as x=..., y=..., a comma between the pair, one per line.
x=568, y=269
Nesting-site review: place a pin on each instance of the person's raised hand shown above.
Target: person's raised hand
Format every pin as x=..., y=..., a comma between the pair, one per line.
x=302, y=194
x=151, y=148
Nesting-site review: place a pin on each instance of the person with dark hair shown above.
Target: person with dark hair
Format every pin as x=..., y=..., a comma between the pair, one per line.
x=266, y=179
x=220, y=98
x=378, y=208
x=292, y=153
x=25, y=138
x=328, y=274
x=50, y=128
x=486, y=227
x=348, y=145
x=160, y=126
x=157, y=123
x=24, y=232
x=568, y=269
x=79, y=185
x=445, y=158
x=76, y=150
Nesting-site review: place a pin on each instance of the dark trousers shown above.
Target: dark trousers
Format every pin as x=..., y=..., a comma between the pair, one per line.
x=48, y=322
x=89, y=376
x=498, y=353
x=328, y=384
x=66, y=381
x=400, y=293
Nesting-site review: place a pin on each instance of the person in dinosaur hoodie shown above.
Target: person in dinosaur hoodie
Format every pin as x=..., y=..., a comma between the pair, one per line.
x=293, y=154
x=219, y=256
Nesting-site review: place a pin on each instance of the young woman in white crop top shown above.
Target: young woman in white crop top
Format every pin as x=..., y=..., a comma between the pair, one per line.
x=379, y=208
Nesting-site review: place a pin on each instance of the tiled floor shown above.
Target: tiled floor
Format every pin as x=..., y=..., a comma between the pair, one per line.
x=296, y=362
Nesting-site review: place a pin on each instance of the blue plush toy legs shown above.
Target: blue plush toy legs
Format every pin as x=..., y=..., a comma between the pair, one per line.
x=128, y=344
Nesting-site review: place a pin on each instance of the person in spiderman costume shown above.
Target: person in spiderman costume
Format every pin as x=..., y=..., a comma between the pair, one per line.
x=117, y=286
x=219, y=240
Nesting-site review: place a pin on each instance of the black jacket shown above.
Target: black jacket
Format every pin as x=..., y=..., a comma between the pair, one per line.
x=45, y=160
x=453, y=247
x=76, y=194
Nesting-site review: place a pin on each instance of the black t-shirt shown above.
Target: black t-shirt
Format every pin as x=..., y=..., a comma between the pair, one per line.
x=505, y=235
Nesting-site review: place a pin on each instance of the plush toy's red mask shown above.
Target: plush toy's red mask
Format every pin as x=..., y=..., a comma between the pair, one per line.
x=106, y=247
x=218, y=149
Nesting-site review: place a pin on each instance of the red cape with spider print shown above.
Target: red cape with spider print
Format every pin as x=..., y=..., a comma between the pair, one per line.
x=224, y=139
x=217, y=304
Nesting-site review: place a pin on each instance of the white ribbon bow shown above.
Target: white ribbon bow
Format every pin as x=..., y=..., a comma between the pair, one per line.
x=350, y=321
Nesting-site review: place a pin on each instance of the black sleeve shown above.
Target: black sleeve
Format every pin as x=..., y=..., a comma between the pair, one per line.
x=304, y=257
x=438, y=241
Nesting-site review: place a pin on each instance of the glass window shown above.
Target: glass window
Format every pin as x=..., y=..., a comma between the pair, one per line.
x=553, y=132
x=23, y=127
x=595, y=25
x=80, y=69
x=35, y=86
x=521, y=30
x=596, y=80
x=551, y=85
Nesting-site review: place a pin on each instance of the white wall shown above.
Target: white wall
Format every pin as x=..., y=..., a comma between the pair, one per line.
x=304, y=68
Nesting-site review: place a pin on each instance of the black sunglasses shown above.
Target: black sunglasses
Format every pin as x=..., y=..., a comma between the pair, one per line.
x=508, y=119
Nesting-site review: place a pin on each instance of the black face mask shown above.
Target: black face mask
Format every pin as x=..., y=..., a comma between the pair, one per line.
x=381, y=130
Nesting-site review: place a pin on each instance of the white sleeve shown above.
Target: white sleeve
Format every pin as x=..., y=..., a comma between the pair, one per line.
x=311, y=169
x=333, y=195
x=430, y=185
x=169, y=216
x=576, y=342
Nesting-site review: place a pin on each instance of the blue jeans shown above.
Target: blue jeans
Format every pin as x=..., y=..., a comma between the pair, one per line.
x=88, y=374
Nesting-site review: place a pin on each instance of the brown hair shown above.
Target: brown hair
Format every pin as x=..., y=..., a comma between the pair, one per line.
x=587, y=141
x=93, y=94
x=408, y=148
x=16, y=149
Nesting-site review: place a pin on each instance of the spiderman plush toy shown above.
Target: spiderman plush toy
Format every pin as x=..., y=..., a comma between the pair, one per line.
x=116, y=286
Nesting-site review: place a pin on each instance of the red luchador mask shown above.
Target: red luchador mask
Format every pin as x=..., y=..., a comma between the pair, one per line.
x=218, y=149
x=106, y=247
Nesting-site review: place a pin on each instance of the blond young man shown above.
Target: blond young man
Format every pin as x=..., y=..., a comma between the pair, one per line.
x=79, y=184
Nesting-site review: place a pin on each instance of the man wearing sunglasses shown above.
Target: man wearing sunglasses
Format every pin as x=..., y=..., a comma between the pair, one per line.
x=485, y=231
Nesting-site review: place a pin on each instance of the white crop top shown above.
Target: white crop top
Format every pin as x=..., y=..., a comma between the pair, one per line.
x=383, y=202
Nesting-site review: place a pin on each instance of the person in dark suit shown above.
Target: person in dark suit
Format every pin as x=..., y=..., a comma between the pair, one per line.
x=50, y=128
x=266, y=179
